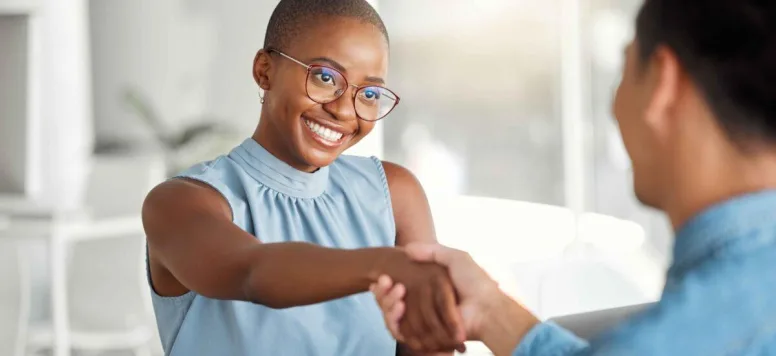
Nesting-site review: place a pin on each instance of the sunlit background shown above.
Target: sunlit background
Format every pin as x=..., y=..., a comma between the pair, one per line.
x=505, y=118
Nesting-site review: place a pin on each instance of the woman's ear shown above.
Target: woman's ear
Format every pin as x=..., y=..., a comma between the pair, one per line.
x=261, y=67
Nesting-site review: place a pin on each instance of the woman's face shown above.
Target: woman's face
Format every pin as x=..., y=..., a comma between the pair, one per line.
x=292, y=125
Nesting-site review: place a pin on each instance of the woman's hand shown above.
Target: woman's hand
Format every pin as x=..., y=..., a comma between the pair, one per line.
x=487, y=314
x=429, y=304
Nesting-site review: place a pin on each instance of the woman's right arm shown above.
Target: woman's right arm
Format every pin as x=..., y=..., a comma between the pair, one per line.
x=193, y=245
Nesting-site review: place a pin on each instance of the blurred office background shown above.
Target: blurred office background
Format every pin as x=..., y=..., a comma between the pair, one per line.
x=505, y=118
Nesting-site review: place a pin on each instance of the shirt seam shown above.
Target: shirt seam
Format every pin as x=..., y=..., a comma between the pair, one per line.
x=387, y=195
x=277, y=191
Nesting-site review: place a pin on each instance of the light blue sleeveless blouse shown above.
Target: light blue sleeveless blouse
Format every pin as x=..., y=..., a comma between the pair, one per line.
x=345, y=205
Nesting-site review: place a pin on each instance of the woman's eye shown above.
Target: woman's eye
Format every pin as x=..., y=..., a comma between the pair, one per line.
x=326, y=77
x=371, y=94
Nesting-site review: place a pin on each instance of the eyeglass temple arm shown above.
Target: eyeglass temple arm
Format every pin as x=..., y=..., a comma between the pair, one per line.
x=290, y=58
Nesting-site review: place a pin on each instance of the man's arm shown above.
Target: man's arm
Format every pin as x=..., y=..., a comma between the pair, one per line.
x=511, y=330
x=414, y=223
x=193, y=245
x=489, y=315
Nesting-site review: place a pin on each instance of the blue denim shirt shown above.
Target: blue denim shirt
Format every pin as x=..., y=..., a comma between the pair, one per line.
x=719, y=298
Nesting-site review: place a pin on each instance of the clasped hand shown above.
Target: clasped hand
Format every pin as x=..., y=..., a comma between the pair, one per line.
x=421, y=316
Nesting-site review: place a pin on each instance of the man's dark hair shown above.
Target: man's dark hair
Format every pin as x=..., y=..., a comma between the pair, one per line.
x=728, y=48
x=291, y=17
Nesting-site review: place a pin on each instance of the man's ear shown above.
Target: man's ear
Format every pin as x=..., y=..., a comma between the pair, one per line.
x=261, y=68
x=664, y=80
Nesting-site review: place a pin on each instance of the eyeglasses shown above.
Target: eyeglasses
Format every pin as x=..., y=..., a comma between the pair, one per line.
x=325, y=85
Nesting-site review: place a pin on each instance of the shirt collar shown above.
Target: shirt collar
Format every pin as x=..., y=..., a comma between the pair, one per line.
x=278, y=175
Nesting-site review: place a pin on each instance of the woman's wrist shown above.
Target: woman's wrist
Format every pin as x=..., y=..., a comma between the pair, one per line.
x=379, y=261
x=385, y=261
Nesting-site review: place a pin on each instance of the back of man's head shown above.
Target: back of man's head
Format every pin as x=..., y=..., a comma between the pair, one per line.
x=728, y=48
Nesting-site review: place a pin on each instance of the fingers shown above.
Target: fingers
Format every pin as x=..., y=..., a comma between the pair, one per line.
x=449, y=316
x=381, y=288
x=394, y=317
x=420, y=251
x=447, y=307
x=412, y=325
x=447, y=256
x=417, y=324
x=430, y=252
x=427, y=326
x=448, y=310
x=436, y=333
x=391, y=295
x=428, y=318
x=389, y=298
x=393, y=309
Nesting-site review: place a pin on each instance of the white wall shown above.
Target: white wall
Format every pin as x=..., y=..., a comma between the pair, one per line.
x=13, y=99
x=50, y=110
x=63, y=103
x=17, y=6
x=50, y=106
x=188, y=57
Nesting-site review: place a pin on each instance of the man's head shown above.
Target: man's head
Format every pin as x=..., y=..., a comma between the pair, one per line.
x=345, y=35
x=698, y=93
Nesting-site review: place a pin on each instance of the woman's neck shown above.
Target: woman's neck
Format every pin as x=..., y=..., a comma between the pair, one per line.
x=280, y=150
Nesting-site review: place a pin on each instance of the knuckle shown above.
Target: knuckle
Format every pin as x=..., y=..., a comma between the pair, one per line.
x=465, y=255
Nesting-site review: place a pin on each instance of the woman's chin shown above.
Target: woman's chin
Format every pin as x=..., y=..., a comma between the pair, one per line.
x=317, y=158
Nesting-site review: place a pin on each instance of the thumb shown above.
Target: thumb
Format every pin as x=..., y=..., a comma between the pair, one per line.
x=446, y=256
x=420, y=251
x=432, y=252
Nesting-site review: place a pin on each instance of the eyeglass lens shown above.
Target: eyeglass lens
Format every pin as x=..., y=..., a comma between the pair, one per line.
x=372, y=103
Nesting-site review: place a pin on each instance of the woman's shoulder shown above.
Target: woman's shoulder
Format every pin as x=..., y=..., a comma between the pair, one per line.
x=214, y=172
x=220, y=174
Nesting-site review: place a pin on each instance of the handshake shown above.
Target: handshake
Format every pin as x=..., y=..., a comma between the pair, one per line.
x=447, y=300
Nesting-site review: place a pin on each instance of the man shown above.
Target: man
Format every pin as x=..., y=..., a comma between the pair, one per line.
x=697, y=111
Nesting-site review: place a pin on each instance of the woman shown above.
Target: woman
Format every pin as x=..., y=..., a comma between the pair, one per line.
x=267, y=250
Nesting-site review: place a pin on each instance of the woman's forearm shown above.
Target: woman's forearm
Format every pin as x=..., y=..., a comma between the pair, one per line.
x=284, y=275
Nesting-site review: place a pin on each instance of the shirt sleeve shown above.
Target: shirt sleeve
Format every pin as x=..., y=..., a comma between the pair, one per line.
x=549, y=339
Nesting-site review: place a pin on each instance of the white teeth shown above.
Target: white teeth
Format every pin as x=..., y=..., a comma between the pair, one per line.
x=325, y=133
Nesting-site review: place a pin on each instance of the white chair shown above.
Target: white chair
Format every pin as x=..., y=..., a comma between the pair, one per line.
x=14, y=298
x=506, y=237
x=510, y=239
x=591, y=324
x=109, y=302
x=607, y=266
x=118, y=184
x=583, y=286
x=500, y=229
x=107, y=298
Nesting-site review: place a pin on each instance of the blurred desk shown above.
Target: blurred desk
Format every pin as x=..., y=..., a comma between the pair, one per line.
x=59, y=229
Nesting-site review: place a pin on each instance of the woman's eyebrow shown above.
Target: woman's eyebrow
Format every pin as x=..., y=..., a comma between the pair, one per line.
x=375, y=80
x=342, y=69
x=331, y=62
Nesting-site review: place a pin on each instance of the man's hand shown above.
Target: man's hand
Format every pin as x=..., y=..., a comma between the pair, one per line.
x=488, y=314
x=429, y=302
x=472, y=283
